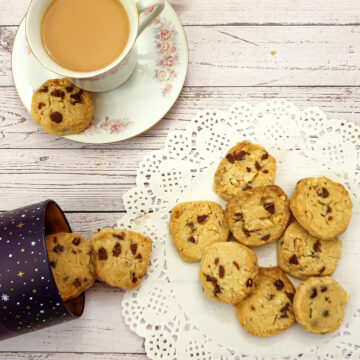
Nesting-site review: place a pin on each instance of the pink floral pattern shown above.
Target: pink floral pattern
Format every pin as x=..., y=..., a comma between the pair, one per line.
x=166, y=47
x=111, y=126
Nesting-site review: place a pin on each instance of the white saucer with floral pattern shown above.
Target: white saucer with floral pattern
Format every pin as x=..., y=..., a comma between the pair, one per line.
x=135, y=106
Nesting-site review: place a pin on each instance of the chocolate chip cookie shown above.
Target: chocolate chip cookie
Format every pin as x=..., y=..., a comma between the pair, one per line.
x=319, y=304
x=194, y=226
x=302, y=255
x=321, y=206
x=70, y=261
x=258, y=216
x=61, y=108
x=120, y=257
x=245, y=166
x=268, y=310
x=227, y=272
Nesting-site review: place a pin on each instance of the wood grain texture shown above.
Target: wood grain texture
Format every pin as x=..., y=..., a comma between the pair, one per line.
x=195, y=12
x=69, y=356
x=242, y=55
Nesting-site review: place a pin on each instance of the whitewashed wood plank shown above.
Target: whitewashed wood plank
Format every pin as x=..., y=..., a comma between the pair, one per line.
x=229, y=11
x=69, y=356
x=18, y=131
x=258, y=55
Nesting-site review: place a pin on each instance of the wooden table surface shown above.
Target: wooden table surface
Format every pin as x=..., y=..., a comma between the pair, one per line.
x=307, y=51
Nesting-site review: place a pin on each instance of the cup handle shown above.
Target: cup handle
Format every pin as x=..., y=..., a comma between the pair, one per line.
x=143, y=5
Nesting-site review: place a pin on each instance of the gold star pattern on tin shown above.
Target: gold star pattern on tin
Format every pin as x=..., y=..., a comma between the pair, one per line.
x=20, y=274
x=20, y=225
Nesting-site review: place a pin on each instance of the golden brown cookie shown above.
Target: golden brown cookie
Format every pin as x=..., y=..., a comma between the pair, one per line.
x=120, y=257
x=70, y=260
x=258, y=216
x=194, y=226
x=245, y=166
x=321, y=206
x=268, y=310
x=319, y=304
x=302, y=255
x=61, y=108
x=227, y=272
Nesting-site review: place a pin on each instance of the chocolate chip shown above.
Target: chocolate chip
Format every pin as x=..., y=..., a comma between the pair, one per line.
x=322, y=270
x=240, y=155
x=58, y=248
x=133, y=248
x=325, y=313
x=266, y=237
x=283, y=316
x=269, y=207
x=323, y=288
x=236, y=265
x=328, y=209
x=41, y=105
x=120, y=237
x=221, y=271
x=290, y=296
x=117, y=250
x=77, y=283
x=69, y=89
x=45, y=89
x=252, y=308
x=271, y=296
x=293, y=260
x=139, y=256
x=58, y=93
x=53, y=264
x=317, y=246
x=77, y=96
x=257, y=166
x=313, y=293
x=265, y=171
x=201, y=219
x=322, y=192
x=246, y=232
x=249, y=282
x=211, y=279
x=279, y=284
x=56, y=117
x=217, y=290
x=55, y=240
x=190, y=225
x=265, y=156
x=102, y=254
x=74, y=252
x=285, y=308
x=246, y=187
x=230, y=158
x=216, y=261
x=330, y=218
x=76, y=241
x=134, y=279
x=191, y=239
x=248, y=169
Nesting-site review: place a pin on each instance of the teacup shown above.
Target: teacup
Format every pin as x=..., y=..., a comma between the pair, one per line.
x=118, y=71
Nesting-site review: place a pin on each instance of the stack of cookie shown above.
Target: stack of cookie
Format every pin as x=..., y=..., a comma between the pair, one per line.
x=257, y=213
x=117, y=257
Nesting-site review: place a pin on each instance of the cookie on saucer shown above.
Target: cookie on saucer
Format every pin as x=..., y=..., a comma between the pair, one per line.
x=321, y=206
x=70, y=261
x=268, y=310
x=258, y=216
x=120, y=257
x=245, y=166
x=319, y=304
x=302, y=255
x=61, y=108
x=194, y=226
x=227, y=272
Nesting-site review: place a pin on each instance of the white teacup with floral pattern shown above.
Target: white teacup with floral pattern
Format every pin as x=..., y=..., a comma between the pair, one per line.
x=112, y=75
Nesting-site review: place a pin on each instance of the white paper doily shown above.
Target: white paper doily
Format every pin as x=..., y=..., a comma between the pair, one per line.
x=169, y=310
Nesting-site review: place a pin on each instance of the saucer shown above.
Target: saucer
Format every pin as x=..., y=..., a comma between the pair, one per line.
x=137, y=105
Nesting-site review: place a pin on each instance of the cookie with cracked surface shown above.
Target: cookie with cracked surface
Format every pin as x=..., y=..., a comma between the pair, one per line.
x=268, y=310
x=321, y=206
x=319, y=304
x=61, y=108
x=245, y=166
x=120, y=257
x=194, y=226
x=70, y=260
x=227, y=272
x=302, y=255
x=258, y=216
